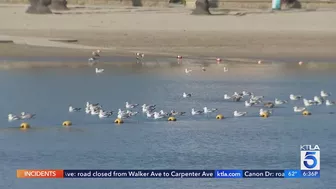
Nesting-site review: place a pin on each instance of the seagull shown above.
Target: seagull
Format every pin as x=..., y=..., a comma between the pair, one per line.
x=164, y=113
x=96, y=53
x=174, y=113
x=139, y=55
x=236, y=98
x=72, y=109
x=245, y=93
x=130, y=106
x=99, y=70
x=239, y=114
x=187, y=71
x=87, y=110
x=89, y=105
x=146, y=107
x=206, y=110
x=149, y=114
x=185, y=95
x=299, y=109
x=309, y=102
x=330, y=103
x=157, y=115
x=92, y=61
x=198, y=112
x=262, y=111
x=249, y=104
x=103, y=114
x=225, y=69
x=278, y=102
x=269, y=105
x=295, y=97
x=325, y=94
x=94, y=111
x=130, y=113
x=227, y=97
x=12, y=117
x=318, y=100
x=203, y=69
x=238, y=94
x=257, y=98
x=27, y=116
x=123, y=116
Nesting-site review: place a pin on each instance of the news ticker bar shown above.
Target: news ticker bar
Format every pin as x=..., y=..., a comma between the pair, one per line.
x=167, y=174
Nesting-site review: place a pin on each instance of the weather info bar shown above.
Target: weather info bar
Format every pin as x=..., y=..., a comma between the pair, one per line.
x=167, y=174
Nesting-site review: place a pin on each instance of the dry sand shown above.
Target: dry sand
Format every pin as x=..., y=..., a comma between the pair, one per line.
x=172, y=31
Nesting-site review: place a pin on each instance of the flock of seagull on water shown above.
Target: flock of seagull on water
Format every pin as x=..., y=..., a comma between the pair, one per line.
x=149, y=110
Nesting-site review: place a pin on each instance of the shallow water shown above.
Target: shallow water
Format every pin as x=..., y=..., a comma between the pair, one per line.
x=199, y=142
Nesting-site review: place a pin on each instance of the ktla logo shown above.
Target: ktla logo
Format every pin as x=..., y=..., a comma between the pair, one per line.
x=310, y=157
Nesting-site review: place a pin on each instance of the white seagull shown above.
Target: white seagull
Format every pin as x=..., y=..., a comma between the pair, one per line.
x=239, y=114
x=257, y=98
x=330, y=103
x=157, y=115
x=12, y=117
x=295, y=97
x=299, y=109
x=72, y=109
x=245, y=93
x=24, y=115
x=175, y=113
x=130, y=106
x=99, y=70
x=206, y=110
x=103, y=114
x=225, y=69
x=185, y=95
x=249, y=104
x=146, y=108
x=325, y=94
x=198, y=112
x=92, y=61
x=227, y=97
x=318, y=99
x=149, y=114
x=187, y=71
x=278, y=102
x=309, y=102
x=130, y=113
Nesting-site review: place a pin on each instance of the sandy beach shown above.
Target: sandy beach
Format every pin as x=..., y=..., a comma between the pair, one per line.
x=170, y=31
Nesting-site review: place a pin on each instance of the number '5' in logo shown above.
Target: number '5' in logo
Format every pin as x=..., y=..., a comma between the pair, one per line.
x=310, y=156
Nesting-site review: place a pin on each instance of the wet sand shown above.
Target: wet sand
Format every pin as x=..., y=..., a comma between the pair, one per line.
x=296, y=36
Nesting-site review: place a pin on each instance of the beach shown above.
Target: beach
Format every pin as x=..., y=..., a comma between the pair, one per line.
x=170, y=31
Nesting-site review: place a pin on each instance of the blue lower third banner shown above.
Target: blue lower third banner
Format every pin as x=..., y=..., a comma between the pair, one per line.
x=138, y=173
x=190, y=174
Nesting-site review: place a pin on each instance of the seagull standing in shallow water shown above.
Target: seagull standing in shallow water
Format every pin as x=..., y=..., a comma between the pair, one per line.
x=99, y=70
x=187, y=71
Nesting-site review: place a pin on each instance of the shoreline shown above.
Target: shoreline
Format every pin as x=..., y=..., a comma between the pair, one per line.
x=293, y=37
